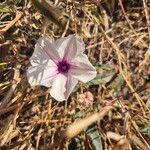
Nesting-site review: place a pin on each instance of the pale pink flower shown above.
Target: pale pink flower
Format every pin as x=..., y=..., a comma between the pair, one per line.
x=86, y=99
x=60, y=65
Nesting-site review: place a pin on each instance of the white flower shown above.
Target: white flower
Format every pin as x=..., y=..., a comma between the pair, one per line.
x=60, y=65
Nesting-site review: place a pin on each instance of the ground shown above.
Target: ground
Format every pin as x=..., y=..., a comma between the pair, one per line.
x=117, y=38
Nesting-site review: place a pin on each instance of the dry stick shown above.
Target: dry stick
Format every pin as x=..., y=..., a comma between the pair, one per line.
x=137, y=129
x=4, y=132
x=124, y=13
x=147, y=54
x=7, y=135
x=138, y=142
x=114, y=136
x=38, y=139
x=78, y=126
x=66, y=28
x=147, y=18
x=5, y=43
x=136, y=95
x=9, y=25
x=7, y=98
x=120, y=56
x=11, y=108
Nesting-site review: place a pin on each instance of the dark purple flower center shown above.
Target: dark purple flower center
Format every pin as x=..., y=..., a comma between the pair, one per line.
x=63, y=66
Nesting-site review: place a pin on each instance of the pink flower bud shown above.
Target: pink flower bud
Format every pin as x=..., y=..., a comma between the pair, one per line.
x=86, y=99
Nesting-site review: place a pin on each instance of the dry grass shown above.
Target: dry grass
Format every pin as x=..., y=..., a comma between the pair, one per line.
x=117, y=34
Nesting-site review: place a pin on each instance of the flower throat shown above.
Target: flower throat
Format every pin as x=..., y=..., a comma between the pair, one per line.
x=63, y=66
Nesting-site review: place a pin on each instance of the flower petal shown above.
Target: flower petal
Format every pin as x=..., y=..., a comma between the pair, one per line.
x=41, y=75
x=39, y=57
x=62, y=87
x=44, y=50
x=71, y=83
x=59, y=87
x=69, y=47
x=82, y=69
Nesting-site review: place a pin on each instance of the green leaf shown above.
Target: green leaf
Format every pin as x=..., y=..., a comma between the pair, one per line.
x=78, y=114
x=117, y=85
x=101, y=79
x=3, y=65
x=94, y=136
x=4, y=9
x=146, y=130
x=79, y=142
x=103, y=67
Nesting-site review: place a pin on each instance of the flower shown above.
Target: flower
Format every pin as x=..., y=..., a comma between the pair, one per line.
x=86, y=99
x=60, y=65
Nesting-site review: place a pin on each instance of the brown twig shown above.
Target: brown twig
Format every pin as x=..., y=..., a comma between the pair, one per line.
x=9, y=94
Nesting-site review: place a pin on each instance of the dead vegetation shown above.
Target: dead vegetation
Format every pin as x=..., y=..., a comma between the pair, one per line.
x=117, y=37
